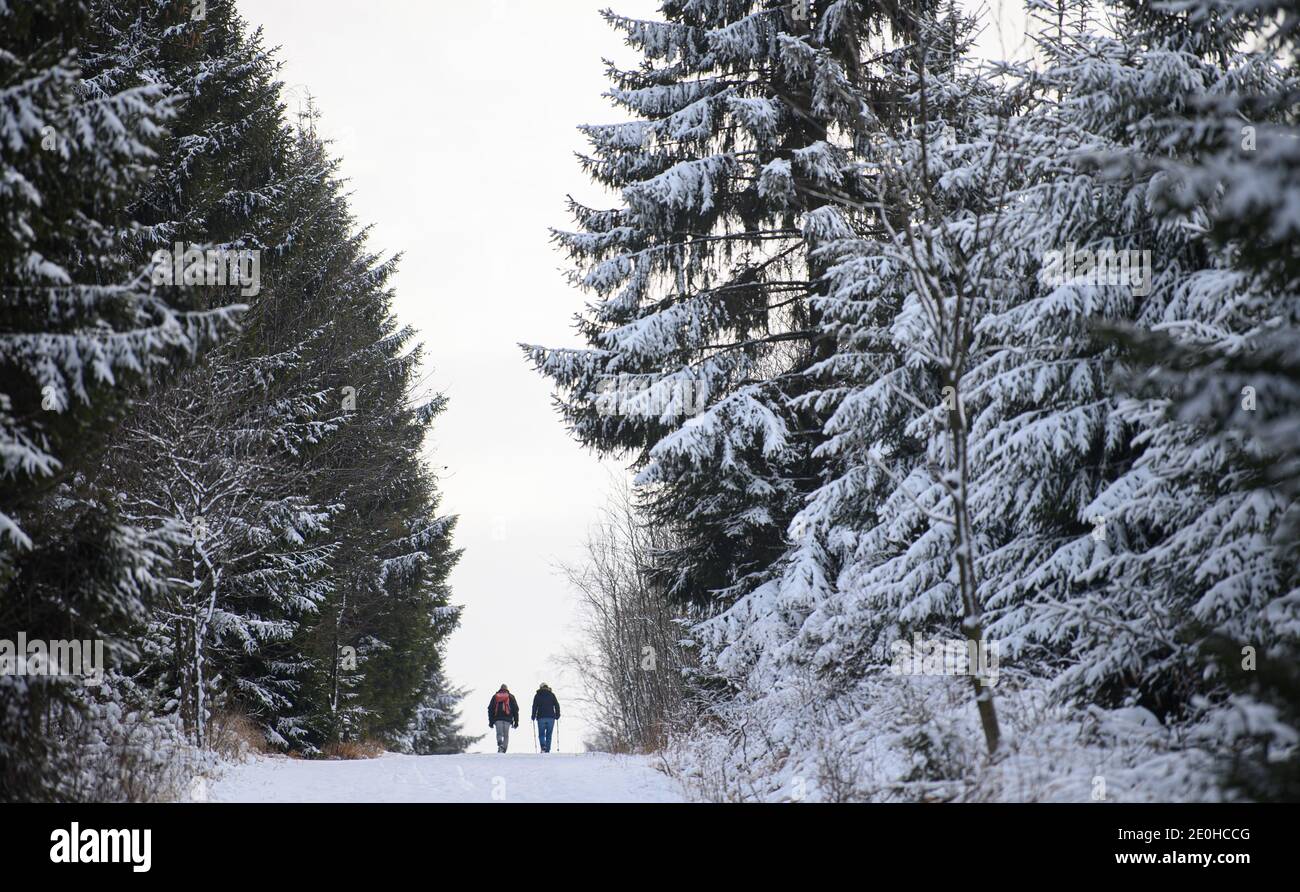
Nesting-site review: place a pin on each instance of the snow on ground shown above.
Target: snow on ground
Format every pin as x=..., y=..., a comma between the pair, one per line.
x=472, y=777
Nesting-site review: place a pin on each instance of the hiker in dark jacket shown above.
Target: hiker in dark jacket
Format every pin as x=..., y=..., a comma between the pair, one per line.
x=503, y=714
x=546, y=712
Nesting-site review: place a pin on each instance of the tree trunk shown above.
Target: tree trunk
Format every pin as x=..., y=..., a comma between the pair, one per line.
x=972, y=618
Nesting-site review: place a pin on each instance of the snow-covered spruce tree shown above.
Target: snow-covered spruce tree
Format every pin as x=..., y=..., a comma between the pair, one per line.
x=220, y=171
x=435, y=729
x=1110, y=131
x=336, y=375
x=81, y=322
x=911, y=266
x=332, y=378
x=906, y=304
x=702, y=333
x=1048, y=405
x=1017, y=183
x=1215, y=380
x=255, y=466
x=393, y=602
x=221, y=490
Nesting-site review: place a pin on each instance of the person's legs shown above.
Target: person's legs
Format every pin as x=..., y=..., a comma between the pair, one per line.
x=503, y=736
x=544, y=729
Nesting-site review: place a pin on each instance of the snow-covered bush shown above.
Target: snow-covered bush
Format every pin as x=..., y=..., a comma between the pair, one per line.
x=112, y=747
x=894, y=740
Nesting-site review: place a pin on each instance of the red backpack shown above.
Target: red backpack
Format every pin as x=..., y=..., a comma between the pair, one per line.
x=503, y=702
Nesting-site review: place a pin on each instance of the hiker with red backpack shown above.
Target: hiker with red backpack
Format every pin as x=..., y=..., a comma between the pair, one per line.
x=503, y=714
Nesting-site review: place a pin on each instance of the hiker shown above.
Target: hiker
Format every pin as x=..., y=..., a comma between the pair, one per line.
x=546, y=712
x=503, y=714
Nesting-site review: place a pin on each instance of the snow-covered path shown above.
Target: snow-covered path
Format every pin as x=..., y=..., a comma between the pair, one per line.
x=472, y=777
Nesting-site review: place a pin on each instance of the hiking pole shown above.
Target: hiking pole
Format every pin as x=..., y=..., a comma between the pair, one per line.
x=534, y=735
x=557, y=735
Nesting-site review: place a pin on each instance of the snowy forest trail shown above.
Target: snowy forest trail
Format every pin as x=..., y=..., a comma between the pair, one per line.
x=472, y=777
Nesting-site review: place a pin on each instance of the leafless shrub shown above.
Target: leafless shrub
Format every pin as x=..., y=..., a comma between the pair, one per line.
x=234, y=736
x=631, y=660
x=353, y=749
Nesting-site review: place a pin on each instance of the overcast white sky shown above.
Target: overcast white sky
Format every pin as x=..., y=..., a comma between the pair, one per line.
x=456, y=124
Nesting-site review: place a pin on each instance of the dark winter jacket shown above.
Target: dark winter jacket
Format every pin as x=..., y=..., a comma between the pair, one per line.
x=545, y=706
x=497, y=712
